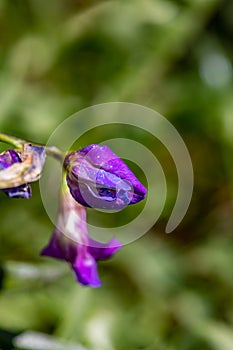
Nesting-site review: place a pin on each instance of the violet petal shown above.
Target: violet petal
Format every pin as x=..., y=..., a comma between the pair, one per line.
x=98, y=178
x=8, y=158
x=85, y=269
x=102, y=251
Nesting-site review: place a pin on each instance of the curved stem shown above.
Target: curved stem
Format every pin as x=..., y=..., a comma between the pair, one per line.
x=55, y=153
x=12, y=140
x=19, y=143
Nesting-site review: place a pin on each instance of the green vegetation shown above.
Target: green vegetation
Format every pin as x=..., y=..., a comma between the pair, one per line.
x=162, y=292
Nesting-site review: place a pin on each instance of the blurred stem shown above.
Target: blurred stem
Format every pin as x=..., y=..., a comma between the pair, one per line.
x=12, y=140
x=19, y=143
x=54, y=152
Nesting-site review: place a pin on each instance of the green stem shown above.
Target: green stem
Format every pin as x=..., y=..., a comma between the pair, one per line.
x=12, y=140
x=19, y=143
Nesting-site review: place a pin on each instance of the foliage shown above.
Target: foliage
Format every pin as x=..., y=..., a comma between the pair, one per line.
x=162, y=292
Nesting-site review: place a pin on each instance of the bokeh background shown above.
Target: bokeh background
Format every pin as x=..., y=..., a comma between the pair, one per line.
x=163, y=292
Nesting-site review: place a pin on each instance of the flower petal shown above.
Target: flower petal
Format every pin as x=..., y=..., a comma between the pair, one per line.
x=7, y=159
x=85, y=269
x=102, y=251
x=70, y=242
x=98, y=178
x=103, y=157
x=22, y=191
x=54, y=248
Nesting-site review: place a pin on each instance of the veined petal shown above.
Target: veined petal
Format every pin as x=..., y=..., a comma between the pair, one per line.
x=98, y=178
x=28, y=169
x=7, y=160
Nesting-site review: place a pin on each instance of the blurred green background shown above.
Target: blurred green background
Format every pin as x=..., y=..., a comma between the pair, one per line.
x=162, y=292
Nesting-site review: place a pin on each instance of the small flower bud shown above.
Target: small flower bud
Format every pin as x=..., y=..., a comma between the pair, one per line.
x=98, y=178
x=19, y=168
x=7, y=159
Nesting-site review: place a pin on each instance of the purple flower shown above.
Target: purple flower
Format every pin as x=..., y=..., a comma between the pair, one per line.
x=18, y=168
x=98, y=178
x=70, y=242
x=7, y=159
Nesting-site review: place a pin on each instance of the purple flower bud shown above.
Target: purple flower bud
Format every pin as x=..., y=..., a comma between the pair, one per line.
x=7, y=158
x=98, y=178
x=70, y=242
